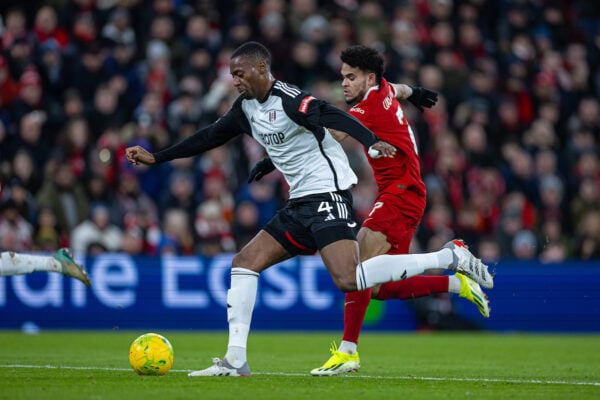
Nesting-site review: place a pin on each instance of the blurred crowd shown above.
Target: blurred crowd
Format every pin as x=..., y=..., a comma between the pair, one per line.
x=510, y=154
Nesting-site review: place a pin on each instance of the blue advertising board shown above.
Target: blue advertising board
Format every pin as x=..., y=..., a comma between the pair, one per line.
x=189, y=293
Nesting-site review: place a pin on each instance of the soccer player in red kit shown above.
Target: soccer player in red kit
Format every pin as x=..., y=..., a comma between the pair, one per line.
x=400, y=203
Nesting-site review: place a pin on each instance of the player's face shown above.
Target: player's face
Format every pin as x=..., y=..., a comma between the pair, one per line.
x=246, y=76
x=355, y=83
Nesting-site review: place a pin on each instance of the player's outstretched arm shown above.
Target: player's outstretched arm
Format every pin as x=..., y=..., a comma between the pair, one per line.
x=341, y=123
x=419, y=96
x=338, y=135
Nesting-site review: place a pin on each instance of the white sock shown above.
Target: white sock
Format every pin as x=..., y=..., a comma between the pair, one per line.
x=348, y=347
x=240, y=303
x=386, y=268
x=453, y=284
x=19, y=264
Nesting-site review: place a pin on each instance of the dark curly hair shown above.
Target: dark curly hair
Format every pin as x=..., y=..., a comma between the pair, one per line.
x=254, y=51
x=365, y=59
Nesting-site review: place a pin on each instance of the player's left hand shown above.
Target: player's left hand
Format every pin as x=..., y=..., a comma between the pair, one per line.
x=422, y=97
x=382, y=149
x=262, y=168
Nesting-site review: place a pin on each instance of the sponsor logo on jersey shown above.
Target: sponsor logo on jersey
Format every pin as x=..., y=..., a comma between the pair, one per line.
x=357, y=110
x=387, y=102
x=304, y=104
x=272, y=138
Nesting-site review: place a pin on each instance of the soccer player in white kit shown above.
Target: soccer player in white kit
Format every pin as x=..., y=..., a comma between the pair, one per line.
x=293, y=126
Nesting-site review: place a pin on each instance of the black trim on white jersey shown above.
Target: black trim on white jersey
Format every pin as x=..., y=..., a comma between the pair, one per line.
x=329, y=162
x=291, y=91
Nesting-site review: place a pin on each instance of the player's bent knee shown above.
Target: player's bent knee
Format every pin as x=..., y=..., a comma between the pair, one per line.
x=249, y=261
x=241, y=260
x=345, y=284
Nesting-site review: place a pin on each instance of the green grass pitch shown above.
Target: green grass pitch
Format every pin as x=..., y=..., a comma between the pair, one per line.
x=93, y=365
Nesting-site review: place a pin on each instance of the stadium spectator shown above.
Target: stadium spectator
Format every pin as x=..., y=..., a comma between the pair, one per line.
x=130, y=200
x=106, y=111
x=14, y=26
x=587, y=236
x=176, y=236
x=9, y=87
x=524, y=245
x=31, y=94
x=96, y=234
x=17, y=192
x=489, y=250
x=45, y=27
x=84, y=29
x=76, y=141
x=91, y=71
x=118, y=28
x=181, y=193
x=47, y=237
x=65, y=196
x=25, y=172
x=16, y=233
x=212, y=229
x=245, y=223
x=272, y=33
x=56, y=70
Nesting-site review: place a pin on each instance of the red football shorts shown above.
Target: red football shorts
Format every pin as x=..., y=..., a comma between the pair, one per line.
x=397, y=215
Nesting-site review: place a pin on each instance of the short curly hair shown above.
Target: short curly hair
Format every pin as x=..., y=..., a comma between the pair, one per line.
x=364, y=58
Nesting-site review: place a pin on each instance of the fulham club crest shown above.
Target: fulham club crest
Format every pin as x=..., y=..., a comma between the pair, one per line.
x=272, y=116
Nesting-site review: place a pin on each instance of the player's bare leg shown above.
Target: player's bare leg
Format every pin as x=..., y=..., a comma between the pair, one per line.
x=340, y=259
x=260, y=253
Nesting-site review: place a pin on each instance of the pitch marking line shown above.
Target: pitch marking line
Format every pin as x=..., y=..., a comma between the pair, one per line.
x=349, y=376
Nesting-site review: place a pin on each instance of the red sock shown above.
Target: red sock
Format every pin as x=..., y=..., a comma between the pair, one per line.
x=417, y=286
x=355, y=308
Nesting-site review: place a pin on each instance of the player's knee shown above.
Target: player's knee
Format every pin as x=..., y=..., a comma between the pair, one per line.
x=246, y=261
x=241, y=261
x=345, y=283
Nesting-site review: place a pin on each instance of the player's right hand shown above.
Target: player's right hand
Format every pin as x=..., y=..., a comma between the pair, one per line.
x=262, y=168
x=138, y=155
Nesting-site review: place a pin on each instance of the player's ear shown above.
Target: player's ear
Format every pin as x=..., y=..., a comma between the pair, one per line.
x=371, y=79
x=263, y=68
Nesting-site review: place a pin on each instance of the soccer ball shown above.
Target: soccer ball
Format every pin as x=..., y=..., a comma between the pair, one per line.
x=151, y=354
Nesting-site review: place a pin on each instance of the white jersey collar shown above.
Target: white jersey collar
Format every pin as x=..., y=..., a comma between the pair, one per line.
x=376, y=87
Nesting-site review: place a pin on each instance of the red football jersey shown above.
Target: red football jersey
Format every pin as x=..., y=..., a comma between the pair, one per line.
x=381, y=113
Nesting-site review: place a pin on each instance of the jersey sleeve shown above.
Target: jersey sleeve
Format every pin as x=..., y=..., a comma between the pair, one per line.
x=317, y=114
x=230, y=125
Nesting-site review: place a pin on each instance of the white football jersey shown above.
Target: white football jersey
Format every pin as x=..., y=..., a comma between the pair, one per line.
x=309, y=164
